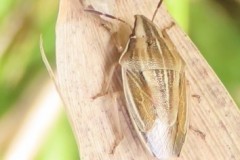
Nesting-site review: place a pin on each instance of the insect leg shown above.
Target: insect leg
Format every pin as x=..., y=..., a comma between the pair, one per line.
x=107, y=81
x=116, y=118
x=164, y=31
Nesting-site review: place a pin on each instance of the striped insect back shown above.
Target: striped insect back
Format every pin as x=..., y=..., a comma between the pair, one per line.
x=155, y=89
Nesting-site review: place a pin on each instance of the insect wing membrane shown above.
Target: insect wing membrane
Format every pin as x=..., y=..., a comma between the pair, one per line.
x=155, y=89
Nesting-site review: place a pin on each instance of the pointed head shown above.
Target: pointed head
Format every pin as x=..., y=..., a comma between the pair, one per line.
x=143, y=27
x=141, y=46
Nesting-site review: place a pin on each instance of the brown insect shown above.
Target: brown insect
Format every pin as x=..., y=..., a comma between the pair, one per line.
x=155, y=88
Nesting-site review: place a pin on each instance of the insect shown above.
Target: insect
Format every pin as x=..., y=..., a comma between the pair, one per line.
x=155, y=89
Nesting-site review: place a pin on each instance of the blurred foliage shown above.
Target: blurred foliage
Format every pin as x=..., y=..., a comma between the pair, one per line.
x=58, y=144
x=216, y=34
x=22, y=22
x=20, y=59
x=211, y=25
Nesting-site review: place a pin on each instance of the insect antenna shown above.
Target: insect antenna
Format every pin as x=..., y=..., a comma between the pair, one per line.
x=108, y=16
x=155, y=12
